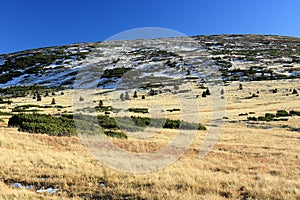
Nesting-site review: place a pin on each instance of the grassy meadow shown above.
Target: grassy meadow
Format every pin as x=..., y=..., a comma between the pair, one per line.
x=252, y=159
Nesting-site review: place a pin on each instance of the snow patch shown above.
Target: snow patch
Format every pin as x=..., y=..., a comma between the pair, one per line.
x=49, y=190
x=2, y=61
x=16, y=81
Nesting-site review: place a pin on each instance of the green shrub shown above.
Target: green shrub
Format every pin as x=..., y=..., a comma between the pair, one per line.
x=269, y=116
x=107, y=122
x=252, y=118
x=136, y=123
x=172, y=124
x=103, y=108
x=281, y=119
x=25, y=108
x=261, y=118
x=138, y=110
x=174, y=109
x=6, y=102
x=282, y=113
x=65, y=125
x=5, y=113
x=115, y=134
x=128, y=124
x=140, y=121
x=201, y=127
x=115, y=72
x=293, y=112
x=42, y=123
x=87, y=125
x=272, y=117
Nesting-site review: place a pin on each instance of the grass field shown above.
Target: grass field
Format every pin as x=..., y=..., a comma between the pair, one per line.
x=252, y=160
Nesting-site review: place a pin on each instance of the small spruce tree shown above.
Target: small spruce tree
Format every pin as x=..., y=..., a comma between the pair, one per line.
x=295, y=91
x=135, y=94
x=152, y=92
x=176, y=87
x=240, y=86
x=39, y=98
x=127, y=96
x=207, y=92
x=53, y=101
x=122, y=96
x=100, y=103
x=222, y=91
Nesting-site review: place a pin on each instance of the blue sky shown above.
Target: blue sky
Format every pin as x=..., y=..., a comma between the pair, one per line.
x=29, y=24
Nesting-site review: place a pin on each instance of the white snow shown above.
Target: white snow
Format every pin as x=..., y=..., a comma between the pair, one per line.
x=196, y=60
x=2, y=61
x=49, y=190
x=19, y=185
x=84, y=51
x=16, y=81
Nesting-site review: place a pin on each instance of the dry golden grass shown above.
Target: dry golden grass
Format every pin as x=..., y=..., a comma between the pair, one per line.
x=258, y=161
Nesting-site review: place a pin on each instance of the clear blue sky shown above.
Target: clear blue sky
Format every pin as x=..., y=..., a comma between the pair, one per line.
x=38, y=23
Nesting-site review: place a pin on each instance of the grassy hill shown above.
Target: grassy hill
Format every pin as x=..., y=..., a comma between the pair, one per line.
x=257, y=105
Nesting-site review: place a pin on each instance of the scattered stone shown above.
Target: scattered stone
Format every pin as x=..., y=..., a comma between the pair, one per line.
x=102, y=184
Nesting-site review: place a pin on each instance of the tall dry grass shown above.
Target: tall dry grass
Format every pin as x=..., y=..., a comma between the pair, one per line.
x=250, y=161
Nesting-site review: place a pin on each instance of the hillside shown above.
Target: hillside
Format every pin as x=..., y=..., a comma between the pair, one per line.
x=237, y=57
x=218, y=116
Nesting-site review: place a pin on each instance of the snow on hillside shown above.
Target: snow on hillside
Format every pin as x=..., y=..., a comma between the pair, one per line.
x=253, y=57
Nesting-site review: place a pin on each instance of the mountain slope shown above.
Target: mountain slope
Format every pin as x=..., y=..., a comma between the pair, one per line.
x=236, y=57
